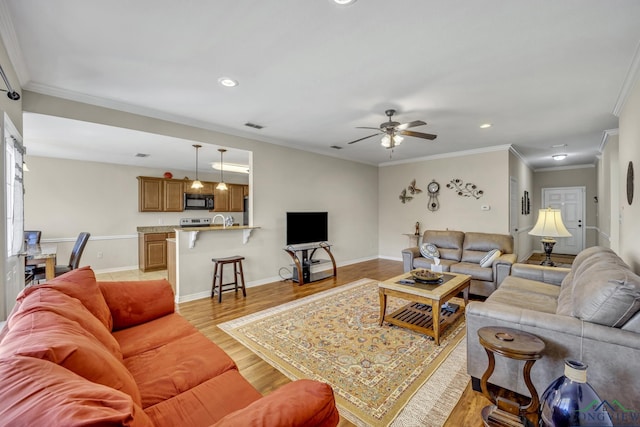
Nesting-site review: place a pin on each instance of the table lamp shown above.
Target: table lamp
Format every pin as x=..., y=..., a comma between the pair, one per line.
x=549, y=225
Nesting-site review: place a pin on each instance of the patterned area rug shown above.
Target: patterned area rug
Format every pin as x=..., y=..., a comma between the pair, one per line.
x=335, y=337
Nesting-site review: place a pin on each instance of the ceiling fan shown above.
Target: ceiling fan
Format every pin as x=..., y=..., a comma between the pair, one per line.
x=393, y=131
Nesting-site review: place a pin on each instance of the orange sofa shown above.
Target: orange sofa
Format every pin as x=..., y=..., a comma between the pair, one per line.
x=79, y=352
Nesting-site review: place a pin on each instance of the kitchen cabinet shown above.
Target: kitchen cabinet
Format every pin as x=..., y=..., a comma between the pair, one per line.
x=173, y=195
x=236, y=198
x=167, y=195
x=150, y=194
x=207, y=188
x=229, y=200
x=152, y=251
x=221, y=200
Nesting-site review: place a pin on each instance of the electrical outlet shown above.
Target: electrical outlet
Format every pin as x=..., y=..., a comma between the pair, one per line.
x=99, y=255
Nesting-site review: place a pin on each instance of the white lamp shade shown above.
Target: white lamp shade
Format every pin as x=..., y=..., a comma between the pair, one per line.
x=550, y=224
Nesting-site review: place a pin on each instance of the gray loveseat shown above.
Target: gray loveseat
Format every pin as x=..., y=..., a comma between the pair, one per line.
x=461, y=253
x=588, y=312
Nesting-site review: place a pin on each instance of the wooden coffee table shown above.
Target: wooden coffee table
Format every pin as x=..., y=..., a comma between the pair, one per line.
x=425, y=313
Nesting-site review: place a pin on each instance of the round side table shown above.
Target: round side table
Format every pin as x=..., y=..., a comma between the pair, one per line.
x=517, y=345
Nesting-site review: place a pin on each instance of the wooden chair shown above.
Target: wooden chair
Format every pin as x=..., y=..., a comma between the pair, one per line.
x=74, y=259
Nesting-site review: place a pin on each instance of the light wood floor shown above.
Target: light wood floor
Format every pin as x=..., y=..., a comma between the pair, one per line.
x=205, y=314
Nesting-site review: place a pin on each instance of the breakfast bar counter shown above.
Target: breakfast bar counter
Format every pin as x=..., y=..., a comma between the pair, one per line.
x=186, y=252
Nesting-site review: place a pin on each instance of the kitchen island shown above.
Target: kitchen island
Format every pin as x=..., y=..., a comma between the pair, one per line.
x=192, y=249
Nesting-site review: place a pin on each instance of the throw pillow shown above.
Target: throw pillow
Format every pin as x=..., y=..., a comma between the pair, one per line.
x=487, y=260
x=607, y=294
x=429, y=250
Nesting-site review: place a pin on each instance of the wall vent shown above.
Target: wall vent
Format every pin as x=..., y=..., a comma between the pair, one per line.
x=142, y=155
x=253, y=125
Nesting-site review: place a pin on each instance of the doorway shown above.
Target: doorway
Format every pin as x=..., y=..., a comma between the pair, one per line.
x=570, y=201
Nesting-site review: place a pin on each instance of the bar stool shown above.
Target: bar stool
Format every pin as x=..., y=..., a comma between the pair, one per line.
x=218, y=285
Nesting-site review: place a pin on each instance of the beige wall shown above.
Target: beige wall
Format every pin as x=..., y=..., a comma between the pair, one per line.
x=629, y=145
x=570, y=177
x=523, y=243
x=284, y=179
x=608, y=197
x=489, y=171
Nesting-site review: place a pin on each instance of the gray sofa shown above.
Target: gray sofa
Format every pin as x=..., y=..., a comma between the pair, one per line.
x=589, y=312
x=461, y=253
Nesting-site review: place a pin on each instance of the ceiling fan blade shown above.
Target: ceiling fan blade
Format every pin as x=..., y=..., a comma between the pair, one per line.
x=410, y=125
x=366, y=127
x=418, y=134
x=379, y=133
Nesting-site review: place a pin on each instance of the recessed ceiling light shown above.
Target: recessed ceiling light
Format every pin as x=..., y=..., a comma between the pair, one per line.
x=485, y=125
x=228, y=82
x=344, y=2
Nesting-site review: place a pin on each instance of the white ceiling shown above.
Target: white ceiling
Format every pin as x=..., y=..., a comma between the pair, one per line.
x=544, y=72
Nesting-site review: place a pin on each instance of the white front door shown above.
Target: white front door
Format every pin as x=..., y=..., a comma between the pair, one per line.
x=570, y=201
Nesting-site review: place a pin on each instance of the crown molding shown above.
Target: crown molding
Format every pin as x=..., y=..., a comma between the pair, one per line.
x=605, y=138
x=633, y=74
x=448, y=155
x=561, y=168
x=10, y=40
x=520, y=157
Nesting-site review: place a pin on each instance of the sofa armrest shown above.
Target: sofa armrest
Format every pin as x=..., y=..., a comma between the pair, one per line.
x=502, y=267
x=135, y=302
x=407, y=258
x=299, y=403
x=551, y=275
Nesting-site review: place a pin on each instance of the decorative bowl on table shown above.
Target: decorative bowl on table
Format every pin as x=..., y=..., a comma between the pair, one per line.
x=426, y=276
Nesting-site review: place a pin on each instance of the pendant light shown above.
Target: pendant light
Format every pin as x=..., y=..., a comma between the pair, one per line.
x=196, y=185
x=221, y=185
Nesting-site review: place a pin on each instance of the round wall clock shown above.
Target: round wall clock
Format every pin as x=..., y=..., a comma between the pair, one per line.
x=433, y=188
x=630, y=183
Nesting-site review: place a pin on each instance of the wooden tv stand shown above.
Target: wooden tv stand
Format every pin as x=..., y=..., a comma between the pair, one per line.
x=303, y=262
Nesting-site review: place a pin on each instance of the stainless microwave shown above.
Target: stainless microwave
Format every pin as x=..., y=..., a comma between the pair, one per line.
x=198, y=201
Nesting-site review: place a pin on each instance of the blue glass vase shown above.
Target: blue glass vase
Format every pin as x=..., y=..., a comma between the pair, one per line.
x=570, y=401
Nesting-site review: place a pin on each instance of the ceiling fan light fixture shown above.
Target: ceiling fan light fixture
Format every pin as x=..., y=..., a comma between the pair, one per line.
x=559, y=156
x=387, y=139
x=344, y=2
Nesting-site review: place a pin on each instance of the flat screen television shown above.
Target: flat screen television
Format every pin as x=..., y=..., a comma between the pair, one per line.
x=307, y=227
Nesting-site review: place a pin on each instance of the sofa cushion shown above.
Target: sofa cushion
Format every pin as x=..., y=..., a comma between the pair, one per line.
x=421, y=262
x=302, y=403
x=133, y=305
x=487, y=260
x=206, y=403
x=565, y=299
x=36, y=392
x=153, y=334
x=80, y=284
x=48, y=299
x=606, y=293
x=164, y=372
x=429, y=250
x=476, y=245
x=49, y=336
x=527, y=294
x=449, y=243
x=474, y=270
